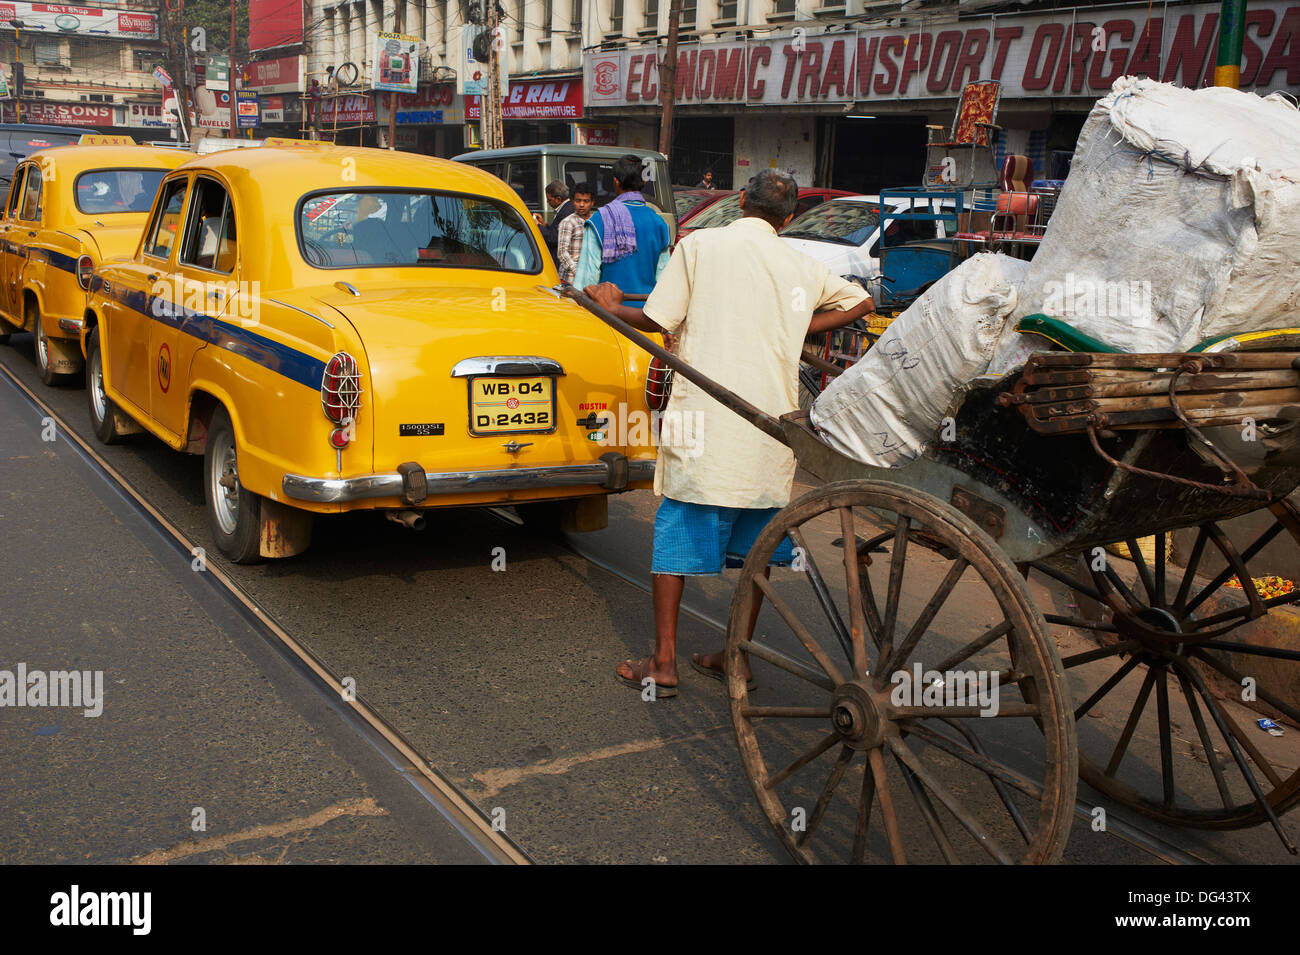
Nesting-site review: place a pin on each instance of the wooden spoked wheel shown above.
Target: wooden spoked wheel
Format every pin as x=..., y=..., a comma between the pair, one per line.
x=854, y=749
x=1164, y=727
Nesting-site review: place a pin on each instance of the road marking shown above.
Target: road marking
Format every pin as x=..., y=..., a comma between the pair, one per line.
x=493, y=781
x=270, y=830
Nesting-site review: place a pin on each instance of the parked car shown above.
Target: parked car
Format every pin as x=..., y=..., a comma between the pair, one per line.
x=528, y=170
x=727, y=210
x=20, y=140
x=385, y=339
x=844, y=233
x=69, y=209
x=691, y=202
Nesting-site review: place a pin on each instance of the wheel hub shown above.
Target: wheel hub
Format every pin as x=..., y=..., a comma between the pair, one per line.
x=855, y=717
x=1159, y=619
x=1152, y=625
x=225, y=490
x=97, y=395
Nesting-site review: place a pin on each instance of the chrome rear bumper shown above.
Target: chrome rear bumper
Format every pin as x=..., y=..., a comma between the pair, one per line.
x=613, y=472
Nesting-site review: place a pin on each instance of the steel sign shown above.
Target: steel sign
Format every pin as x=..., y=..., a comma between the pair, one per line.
x=1078, y=52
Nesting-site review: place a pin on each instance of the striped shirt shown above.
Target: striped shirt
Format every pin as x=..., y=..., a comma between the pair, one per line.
x=568, y=246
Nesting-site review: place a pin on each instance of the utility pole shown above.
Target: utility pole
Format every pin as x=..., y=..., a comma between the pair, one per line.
x=18, y=69
x=181, y=86
x=668, y=78
x=490, y=102
x=398, y=23
x=1232, y=27
x=230, y=74
x=177, y=64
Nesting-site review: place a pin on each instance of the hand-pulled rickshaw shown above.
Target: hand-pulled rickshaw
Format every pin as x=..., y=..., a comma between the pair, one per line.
x=873, y=734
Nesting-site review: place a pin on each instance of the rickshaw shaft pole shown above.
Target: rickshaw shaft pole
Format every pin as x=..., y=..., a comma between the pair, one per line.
x=756, y=416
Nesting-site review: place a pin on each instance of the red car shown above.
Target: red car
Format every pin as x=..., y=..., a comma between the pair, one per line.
x=726, y=210
x=691, y=202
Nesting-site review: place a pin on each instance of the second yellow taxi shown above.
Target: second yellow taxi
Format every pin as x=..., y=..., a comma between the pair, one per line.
x=70, y=209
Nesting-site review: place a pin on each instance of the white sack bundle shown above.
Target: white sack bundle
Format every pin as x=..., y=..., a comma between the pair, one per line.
x=1180, y=221
x=886, y=408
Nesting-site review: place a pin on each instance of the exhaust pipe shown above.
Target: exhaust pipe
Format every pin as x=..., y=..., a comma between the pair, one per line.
x=412, y=519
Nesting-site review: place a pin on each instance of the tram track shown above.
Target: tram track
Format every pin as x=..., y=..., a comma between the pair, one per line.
x=434, y=786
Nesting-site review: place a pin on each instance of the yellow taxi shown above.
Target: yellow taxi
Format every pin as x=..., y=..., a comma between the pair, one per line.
x=69, y=209
x=340, y=328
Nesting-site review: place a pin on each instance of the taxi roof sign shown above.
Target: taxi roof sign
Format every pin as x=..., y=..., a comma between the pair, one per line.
x=285, y=141
x=99, y=139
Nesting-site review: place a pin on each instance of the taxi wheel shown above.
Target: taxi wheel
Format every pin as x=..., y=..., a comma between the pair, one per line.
x=102, y=410
x=234, y=512
x=41, y=345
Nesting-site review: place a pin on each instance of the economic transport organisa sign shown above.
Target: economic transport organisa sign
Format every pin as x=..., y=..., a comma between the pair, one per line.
x=51, y=19
x=1073, y=52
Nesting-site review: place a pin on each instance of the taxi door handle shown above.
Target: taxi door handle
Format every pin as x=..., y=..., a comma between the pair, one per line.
x=31, y=233
x=152, y=277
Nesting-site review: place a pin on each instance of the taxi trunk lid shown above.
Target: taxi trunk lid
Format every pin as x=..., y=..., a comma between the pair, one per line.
x=113, y=241
x=517, y=350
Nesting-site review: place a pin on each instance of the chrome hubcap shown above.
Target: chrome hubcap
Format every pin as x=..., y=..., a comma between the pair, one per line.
x=98, y=400
x=225, y=488
x=42, y=347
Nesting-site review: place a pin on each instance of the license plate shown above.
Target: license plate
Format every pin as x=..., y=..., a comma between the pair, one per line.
x=511, y=405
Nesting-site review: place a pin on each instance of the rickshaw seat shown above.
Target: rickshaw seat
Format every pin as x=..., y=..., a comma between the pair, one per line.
x=1068, y=337
x=1063, y=334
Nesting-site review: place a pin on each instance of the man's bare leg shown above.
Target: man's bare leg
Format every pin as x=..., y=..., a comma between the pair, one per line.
x=662, y=666
x=716, y=661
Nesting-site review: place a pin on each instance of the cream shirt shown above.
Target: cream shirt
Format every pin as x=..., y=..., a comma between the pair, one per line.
x=740, y=299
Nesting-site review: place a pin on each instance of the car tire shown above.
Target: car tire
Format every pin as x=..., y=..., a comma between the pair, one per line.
x=234, y=512
x=103, y=413
x=41, y=348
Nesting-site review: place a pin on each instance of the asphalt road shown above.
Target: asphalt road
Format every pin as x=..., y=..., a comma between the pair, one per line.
x=504, y=680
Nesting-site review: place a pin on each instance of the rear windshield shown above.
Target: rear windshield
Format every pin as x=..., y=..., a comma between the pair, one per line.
x=600, y=177
x=723, y=212
x=22, y=143
x=397, y=229
x=101, y=191
x=839, y=221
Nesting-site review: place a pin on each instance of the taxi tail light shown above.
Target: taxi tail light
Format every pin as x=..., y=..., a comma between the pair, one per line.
x=85, y=269
x=659, y=380
x=340, y=389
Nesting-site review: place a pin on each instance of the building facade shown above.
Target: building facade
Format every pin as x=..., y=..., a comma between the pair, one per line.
x=83, y=66
x=840, y=93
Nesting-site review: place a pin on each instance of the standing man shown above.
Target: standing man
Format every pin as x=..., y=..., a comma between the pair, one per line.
x=569, y=243
x=626, y=241
x=557, y=195
x=707, y=181
x=741, y=302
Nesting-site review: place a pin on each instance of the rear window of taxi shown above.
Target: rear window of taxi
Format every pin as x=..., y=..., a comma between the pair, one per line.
x=101, y=191
x=394, y=228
